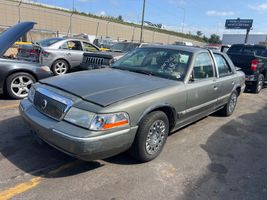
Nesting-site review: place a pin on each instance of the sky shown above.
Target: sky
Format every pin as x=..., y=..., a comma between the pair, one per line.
x=207, y=16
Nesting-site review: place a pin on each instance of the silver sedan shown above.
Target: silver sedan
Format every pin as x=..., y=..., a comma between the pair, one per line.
x=65, y=54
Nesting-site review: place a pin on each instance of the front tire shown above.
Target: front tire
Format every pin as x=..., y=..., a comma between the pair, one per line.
x=151, y=136
x=19, y=84
x=229, y=108
x=60, y=67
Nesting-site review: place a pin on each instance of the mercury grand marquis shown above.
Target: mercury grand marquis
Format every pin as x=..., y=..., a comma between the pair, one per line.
x=133, y=105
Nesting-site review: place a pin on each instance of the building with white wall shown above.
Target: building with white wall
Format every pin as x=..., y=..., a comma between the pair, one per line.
x=240, y=38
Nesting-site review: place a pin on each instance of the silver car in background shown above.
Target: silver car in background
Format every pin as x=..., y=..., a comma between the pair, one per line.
x=65, y=54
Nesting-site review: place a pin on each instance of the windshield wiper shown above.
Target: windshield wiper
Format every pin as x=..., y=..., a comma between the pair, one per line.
x=143, y=72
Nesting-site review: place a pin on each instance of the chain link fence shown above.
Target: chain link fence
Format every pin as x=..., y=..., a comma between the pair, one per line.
x=53, y=22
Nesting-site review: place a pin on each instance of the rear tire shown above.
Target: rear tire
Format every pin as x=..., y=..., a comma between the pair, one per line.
x=60, y=67
x=151, y=136
x=257, y=87
x=19, y=84
x=229, y=108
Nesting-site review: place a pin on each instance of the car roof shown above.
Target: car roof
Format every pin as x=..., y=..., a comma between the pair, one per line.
x=192, y=49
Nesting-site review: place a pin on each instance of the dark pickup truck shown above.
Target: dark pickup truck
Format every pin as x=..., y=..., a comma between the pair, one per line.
x=252, y=60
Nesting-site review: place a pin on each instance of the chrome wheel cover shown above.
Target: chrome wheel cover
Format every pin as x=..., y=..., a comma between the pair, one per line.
x=155, y=137
x=21, y=85
x=61, y=68
x=232, y=103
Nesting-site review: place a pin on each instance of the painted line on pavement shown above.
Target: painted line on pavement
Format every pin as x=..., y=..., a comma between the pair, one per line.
x=23, y=187
x=9, y=106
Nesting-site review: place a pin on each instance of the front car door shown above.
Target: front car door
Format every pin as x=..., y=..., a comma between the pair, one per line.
x=87, y=47
x=226, y=80
x=202, y=89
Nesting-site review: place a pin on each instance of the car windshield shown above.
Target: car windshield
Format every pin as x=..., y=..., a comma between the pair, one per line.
x=123, y=47
x=48, y=42
x=165, y=63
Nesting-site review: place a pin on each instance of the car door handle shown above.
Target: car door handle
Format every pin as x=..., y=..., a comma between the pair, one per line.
x=215, y=87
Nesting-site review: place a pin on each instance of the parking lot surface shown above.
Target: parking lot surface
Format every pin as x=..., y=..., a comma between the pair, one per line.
x=214, y=158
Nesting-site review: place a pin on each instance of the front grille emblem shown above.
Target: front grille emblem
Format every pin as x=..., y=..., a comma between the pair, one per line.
x=44, y=104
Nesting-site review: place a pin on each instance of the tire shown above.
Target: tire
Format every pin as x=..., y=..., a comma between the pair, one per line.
x=18, y=85
x=60, y=67
x=147, y=144
x=229, y=108
x=259, y=84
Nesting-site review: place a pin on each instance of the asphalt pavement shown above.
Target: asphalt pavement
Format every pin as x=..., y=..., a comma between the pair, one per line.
x=214, y=158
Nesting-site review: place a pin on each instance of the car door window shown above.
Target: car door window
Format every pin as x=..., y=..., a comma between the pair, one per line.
x=203, y=67
x=72, y=45
x=89, y=48
x=224, y=68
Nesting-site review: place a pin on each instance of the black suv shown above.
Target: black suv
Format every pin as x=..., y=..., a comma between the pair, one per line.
x=252, y=60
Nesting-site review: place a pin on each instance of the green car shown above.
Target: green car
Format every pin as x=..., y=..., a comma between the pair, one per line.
x=133, y=105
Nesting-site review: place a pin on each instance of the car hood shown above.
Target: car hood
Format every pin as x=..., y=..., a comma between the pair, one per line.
x=12, y=34
x=107, y=86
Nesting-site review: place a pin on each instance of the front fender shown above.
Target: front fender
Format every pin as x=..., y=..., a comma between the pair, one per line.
x=163, y=107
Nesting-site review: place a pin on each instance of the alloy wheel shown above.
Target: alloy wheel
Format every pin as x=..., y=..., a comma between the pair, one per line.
x=20, y=86
x=61, y=68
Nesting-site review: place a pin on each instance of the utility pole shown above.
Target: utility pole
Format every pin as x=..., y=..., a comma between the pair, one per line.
x=142, y=25
x=19, y=10
x=70, y=31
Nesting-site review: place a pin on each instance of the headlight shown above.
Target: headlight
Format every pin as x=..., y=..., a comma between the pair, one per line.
x=45, y=69
x=109, y=121
x=79, y=117
x=96, y=122
x=31, y=93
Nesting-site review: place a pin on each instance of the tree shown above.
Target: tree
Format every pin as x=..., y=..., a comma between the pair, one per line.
x=120, y=18
x=205, y=38
x=215, y=39
x=199, y=33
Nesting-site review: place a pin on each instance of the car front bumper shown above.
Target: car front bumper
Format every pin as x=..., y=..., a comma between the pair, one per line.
x=59, y=135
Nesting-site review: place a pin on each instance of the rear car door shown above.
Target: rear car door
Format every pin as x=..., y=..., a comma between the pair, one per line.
x=202, y=89
x=226, y=79
x=73, y=52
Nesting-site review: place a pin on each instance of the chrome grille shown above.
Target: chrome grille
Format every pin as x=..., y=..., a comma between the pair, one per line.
x=51, y=105
x=94, y=61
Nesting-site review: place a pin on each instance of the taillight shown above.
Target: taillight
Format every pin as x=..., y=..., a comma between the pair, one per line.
x=45, y=53
x=33, y=51
x=254, y=64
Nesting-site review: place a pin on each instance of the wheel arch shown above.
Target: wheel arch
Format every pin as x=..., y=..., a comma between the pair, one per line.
x=64, y=59
x=19, y=71
x=169, y=110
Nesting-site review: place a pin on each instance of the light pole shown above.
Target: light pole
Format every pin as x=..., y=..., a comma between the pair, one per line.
x=183, y=19
x=142, y=25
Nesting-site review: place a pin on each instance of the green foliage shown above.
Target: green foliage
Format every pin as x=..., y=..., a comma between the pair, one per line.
x=215, y=39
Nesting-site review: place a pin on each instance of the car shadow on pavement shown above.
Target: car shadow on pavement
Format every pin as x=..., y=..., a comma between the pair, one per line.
x=5, y=97
x=238, y=167
x=19, y=147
